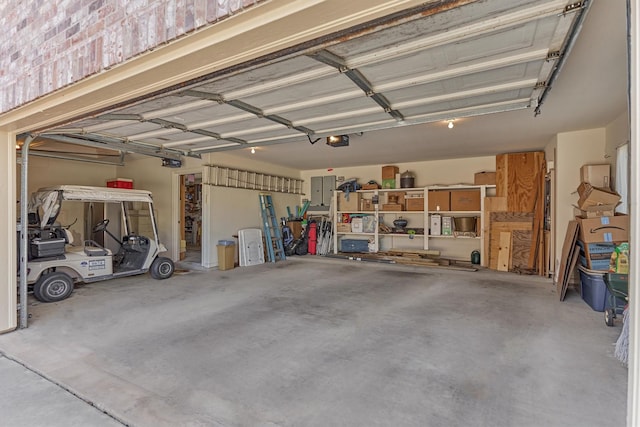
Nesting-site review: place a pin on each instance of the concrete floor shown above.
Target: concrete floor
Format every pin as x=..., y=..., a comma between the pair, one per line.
x=316, y=342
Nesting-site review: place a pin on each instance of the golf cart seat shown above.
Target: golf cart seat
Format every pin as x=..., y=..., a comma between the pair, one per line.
x=92, y=248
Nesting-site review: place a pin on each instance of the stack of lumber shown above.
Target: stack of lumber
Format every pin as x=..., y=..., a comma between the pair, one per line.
x=514, y=219
x=414, y=257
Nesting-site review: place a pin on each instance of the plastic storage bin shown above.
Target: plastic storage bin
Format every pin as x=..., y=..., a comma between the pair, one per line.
x=354, y=245
x=594, y=289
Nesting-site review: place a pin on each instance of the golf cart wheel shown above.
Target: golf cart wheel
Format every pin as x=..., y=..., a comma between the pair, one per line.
x=53, y=287
x=609, y=316
x=162, y=268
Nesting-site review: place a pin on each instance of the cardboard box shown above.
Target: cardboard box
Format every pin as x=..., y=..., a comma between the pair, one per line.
x=392, y=207
x=414, y=204
x=596, y=175
x=389, y=172
x=595, y=211
x=226, y=256
x=351, y=205
x=370, y=186
x=296, y=228
x=606, y=229
x=366, y=205
x=591, y=196
x=396, y=197
x=344, y=227
x=447, y=226
x=465, y=200
x=389, y=183
x=484, y=178
x=439, y=200
x=435, y=225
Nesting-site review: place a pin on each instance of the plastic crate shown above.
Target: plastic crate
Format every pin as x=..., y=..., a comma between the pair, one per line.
x=120, y=183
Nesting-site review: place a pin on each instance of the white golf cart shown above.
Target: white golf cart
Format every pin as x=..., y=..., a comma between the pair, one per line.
x=55, y=263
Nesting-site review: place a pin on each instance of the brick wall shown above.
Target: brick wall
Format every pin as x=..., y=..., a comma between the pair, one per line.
x=48, y=44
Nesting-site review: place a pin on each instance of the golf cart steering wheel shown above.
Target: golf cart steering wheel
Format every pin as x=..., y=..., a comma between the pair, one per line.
x=101, y=226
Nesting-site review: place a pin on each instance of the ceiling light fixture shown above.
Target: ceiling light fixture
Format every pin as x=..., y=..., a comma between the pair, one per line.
x=450, y=125
x=253, y=150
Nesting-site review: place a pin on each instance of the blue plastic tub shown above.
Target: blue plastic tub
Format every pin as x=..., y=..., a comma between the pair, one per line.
x=226, y=242
x=354, y=245
x=594, y=289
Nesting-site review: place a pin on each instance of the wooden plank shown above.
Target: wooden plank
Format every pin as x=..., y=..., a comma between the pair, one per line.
x=491, y=204
x=502, y=182
x=522, y=181
x=520, y=247
x=538, y=219
x=511, y=217
x=572, y=265
x=547, y=252
x=568, y=249
x=494, y=240
x=504, y=251
x=428, y=252
x=540, y=258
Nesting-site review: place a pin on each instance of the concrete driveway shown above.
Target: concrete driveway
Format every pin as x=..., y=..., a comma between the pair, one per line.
x=316, y=342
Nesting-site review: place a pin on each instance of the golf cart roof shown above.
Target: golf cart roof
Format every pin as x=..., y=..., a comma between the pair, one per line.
x=103, y=194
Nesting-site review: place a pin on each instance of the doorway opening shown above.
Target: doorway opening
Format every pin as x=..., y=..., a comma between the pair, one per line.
x=191, y=218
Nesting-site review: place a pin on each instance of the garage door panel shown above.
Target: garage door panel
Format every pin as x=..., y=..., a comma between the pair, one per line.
x=289, y=98
x=271, y=129
x=320, y=125
x=350, y=106
x=132, y=129
x=278, y=74
x=212, y=114
x=279, y=133
x=476, y=81
x=530, y=36
x=455, y=104
x=156, y=108
x=254, y=123
x=427, y=27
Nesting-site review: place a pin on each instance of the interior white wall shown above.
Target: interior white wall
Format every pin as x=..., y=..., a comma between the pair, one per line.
x=8, y=251
x=573, y=150
x=445, y=172
x=229, y=210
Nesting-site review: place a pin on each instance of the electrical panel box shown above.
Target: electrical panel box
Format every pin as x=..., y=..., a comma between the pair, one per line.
x=322, y=188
